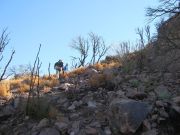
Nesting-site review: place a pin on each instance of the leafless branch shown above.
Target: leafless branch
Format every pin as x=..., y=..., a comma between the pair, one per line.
x=166, y=7
x=4, y=71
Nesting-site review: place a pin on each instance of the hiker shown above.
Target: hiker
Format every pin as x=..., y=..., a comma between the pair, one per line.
x=58, y=66
x=65, y=68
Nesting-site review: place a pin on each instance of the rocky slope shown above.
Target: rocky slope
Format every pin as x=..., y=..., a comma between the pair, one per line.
x=144, y=104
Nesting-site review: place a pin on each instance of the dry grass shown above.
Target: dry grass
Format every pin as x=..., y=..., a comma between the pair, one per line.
x=5, y=89
x=102, y=66
x=22, y=84
x=75, y=72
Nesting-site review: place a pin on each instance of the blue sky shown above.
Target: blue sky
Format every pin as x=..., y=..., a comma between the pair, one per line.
x=54, y=23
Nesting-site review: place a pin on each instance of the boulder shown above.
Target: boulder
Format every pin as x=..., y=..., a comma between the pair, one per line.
x=127, y=115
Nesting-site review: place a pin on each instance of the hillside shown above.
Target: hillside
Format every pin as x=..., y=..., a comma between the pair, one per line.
x=106, y=98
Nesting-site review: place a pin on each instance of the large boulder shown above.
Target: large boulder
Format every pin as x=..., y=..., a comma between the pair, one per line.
x=126, y=115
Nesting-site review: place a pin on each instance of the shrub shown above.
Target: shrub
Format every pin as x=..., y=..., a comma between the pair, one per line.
x=101, y=80
x=135, y=83
x=97, y=80
x=39, y=108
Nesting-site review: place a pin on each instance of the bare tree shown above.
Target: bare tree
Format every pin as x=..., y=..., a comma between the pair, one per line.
x=21, y=70
x=123, y=51
x=95, y=41
x=99, y=48
x=148, y=34
x=74, y=62
x=144, y=39
x=166, y=7
x=4, y=40
x=140, y=33
x=82, y=46
x=34, y=76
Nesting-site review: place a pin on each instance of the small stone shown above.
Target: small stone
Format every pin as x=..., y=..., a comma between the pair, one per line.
x=74, y=116
x=72, y=133
x=164, y=114
x=153, y=125
x=107, y=131
x=159, y=103
x=49, y=131
x=95, y=124
x=91, y=104
x=91, y=131
x=154, y=117
x=120, y=93
x=61, y=126
x=162, y=92
x=72, y=107
x=177, y=100
x=147, y=124
x=150, y=132
x=43, y=123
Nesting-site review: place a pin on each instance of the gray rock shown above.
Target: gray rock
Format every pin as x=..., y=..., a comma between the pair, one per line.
x=159, y=103
x=177, y=100
x=43, y=123
x=107, y=131
x=75, y=127
x=134, y=94
x=49, y=131
x=61, y=126
x=163, y=113
x=91, y=131
x=74, y=116
x=66, y=86
x=6, y=112
x=120, y=93
x=77, y=103
x=91, y=104
x=150, y=132
x=62, y=100
x=95, y=124
x=2, y=102
x=162, y=92
x=146, y=125
x=72, y=107
x=127, y=115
